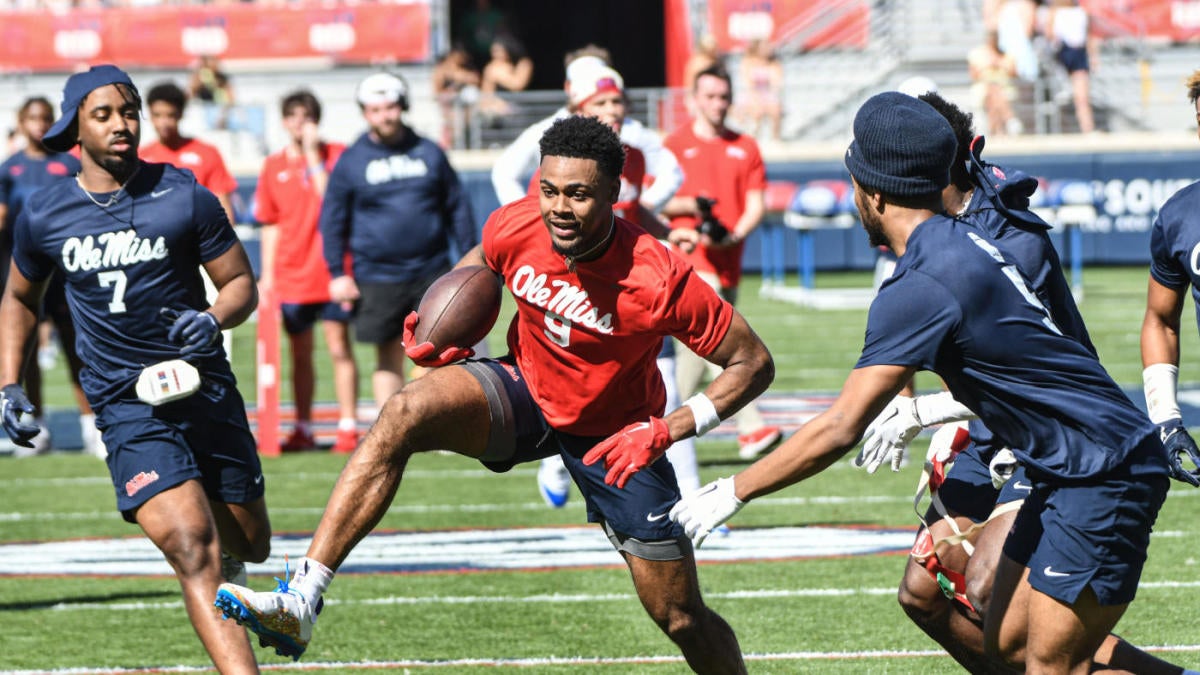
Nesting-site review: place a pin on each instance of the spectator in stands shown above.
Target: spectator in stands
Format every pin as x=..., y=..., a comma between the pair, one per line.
x=723, y=170
x=510, y=69
x=1016, y=22
x=992, y=72
x=456, y=87
x=26, y=171
x=478, y=28
x=290, y=188
x=1067, y=27
x=761, y=76
x=210, y=85
x=706, y=56
x=396, y=206
x=167, y=102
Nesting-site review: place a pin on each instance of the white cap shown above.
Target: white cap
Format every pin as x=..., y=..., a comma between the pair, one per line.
x=380, y=88
x=583, y=63
x=917, y=85
x=592, y=81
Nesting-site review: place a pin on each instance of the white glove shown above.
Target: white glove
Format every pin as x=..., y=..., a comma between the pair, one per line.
x=704, y=510
x=947, y=442
x=1002, y=467
x=889, y=435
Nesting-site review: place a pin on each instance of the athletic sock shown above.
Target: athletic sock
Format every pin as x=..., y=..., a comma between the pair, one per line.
x=347, y=424
x=311, y=580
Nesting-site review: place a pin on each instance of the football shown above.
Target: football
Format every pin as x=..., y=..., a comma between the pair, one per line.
x=459, y=308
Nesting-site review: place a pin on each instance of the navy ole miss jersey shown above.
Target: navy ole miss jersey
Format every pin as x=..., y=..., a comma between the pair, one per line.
x=958, y=305
x=1175, y=243
x=122, y=264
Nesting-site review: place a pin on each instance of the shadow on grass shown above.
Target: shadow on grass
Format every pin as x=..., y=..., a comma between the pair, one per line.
x=85, y=599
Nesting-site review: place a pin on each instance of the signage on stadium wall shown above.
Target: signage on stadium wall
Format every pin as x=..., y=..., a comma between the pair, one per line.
x=802, y=24
x=1169, y=20
x=173, y=36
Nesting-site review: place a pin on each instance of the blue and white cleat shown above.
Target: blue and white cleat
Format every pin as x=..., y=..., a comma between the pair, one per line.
x=282, y=618
x=554, y=482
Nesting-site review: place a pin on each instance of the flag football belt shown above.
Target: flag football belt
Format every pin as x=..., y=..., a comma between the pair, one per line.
x=167, y=381
x=924, y=551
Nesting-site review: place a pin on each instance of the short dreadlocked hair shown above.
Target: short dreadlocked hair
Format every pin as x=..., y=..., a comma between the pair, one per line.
x=585, y=138
x=964, y=132
x=1193, y=86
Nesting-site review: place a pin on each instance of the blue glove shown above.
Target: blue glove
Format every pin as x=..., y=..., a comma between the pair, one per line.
x=1177, y=442
x=194, y=330
x=14, y=402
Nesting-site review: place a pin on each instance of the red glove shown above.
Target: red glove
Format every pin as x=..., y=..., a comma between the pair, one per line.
x=630, y=450
x=422, y=354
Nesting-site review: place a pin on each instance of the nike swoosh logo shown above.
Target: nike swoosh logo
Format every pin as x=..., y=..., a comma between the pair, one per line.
x=258, y=479
x=1051, y=573
x=1022, y=486
x=158, y=193
x=653, y=518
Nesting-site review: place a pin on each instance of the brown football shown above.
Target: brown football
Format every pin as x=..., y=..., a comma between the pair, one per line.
x=459, y=308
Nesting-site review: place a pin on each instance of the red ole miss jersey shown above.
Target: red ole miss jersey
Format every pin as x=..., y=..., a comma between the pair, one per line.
x=587, y=342
x=200, y=158
x=633, y=177
x=285, y=198
x=724, y=168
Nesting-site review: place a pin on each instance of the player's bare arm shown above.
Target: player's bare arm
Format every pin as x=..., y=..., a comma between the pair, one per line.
x=1160, y=327
x=748, y=371
x=472, y=257
x=237, y=293
x=18, y=319
x=828, y=436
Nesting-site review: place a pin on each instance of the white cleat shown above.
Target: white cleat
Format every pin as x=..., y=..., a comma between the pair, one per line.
x=282, y=619
x=554, y=482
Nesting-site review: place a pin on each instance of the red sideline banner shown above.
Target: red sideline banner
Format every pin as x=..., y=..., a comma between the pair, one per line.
x=809, y=24
x=174, y=36
x=268, y=374
x=1169, y=20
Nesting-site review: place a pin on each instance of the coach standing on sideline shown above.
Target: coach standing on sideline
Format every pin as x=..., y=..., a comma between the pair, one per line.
x=395, y=203
x=129, y=239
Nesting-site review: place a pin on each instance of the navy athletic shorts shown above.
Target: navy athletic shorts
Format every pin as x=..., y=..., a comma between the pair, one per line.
x=300, y=317
x=968, y=490
x=203, y=437
x=519, y=433
x=1092, y=533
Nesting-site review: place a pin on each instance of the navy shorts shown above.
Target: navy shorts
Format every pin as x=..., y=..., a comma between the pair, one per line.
x=300, y=317
x=968, y=490
x=519, y=433
x=379, y=316
x=1073, y=59
x=1092, y=533
x=203, y=437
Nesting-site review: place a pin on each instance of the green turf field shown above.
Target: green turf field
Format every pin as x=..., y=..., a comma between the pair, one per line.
x=825, y=615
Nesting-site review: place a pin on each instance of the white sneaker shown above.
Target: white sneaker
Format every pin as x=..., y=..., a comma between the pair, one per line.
x=233, y=570
x=282, y=618
x=41, y=443
x=554, y=482
x=93, y=441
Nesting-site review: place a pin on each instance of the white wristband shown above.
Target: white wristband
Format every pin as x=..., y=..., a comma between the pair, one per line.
x=1160, y=381
x=940, y=408
x=704, y=412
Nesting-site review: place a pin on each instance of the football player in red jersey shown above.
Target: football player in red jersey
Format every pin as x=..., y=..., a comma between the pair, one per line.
x=595, y=297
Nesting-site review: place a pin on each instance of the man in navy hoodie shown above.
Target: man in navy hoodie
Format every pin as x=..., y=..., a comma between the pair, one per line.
x=395, y=207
